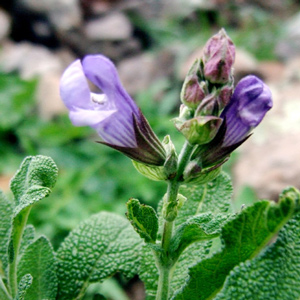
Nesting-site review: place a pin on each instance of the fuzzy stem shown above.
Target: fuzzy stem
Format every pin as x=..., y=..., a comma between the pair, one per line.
x=165, y=263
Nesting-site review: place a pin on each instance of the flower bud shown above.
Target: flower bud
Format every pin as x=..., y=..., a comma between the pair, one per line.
x=199, y=130
x=218, y=58
x=193, y=91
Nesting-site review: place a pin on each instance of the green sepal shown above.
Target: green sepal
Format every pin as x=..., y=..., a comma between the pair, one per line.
x=155, y=173
x=170, y=165
x=199, y=130
x=144, y=220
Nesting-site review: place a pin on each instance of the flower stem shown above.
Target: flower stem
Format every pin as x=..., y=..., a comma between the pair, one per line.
x=165, y=263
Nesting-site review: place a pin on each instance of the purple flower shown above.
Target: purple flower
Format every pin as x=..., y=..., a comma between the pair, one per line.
x=112, y=113
x=248, y=105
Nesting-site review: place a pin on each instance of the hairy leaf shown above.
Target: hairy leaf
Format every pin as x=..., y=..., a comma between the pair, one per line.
x=214, y=196
x=38, y=261
x=143, y=219
x=23, y=286
x=33, y=181
x=98, y=248
x=274, y=274
x=243, y=238
x=199, y=228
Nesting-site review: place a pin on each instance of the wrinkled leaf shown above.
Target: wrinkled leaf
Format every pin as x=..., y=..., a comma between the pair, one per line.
x=143, y=219
x=99, y=247
x=243, y=238
x=38, y=261
x=23, y=286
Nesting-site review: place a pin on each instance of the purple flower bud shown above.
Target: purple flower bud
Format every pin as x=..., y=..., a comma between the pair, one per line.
x=249, y=103
x=218, y=58
x=113, y=114
x=193, y=91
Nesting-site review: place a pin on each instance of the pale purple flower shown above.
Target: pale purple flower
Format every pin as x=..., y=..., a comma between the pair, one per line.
x=111, y=112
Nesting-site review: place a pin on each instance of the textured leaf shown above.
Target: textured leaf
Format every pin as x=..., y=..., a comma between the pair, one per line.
x=38, y=261
x=199, y=228
x=214, y=196
x=274, y=274
x=6, y=211
x=24, y=285
x=143, y=219
x=98, y=248
x=33, y=181
x=243, y=238
x=27, y=238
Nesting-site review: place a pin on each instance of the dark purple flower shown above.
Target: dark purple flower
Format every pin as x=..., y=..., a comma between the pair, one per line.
x=112, y=113
x=248, y=105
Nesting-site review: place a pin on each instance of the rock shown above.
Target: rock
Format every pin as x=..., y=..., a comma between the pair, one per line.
x=63, y=14
x=28, y=59
x=270, y=167
x=289, y=44
x=48, y=98
x=137, y=72
x=5, y=24
x=114, y=27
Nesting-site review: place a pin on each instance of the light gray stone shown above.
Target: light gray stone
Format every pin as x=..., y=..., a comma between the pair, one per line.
x=114, y=26
x=28, y=59
x=5, y=24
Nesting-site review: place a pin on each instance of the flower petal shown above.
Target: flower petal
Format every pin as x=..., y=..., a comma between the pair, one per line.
x=92, y=118
x=103, y=73
x=74, y=89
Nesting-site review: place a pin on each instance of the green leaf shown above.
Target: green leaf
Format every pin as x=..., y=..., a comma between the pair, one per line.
x=98, y=248
x=199, y=228
x=243, y=238
x=214, y=196
x=23, y=286
x=6, y=211
x=38, y=261
x=148, y=272
x=144, y=220
x=33, y=181
x=274, y=274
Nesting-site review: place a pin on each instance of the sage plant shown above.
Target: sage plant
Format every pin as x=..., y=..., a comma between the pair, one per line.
x=195, y=246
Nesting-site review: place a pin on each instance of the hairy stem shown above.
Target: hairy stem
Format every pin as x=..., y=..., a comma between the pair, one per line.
x=165, y=264
x=19, y=224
